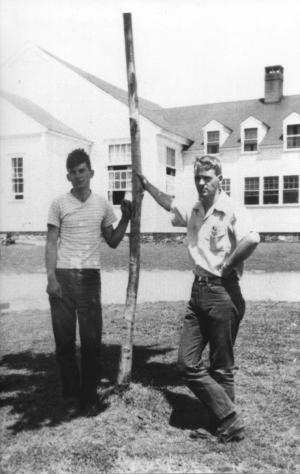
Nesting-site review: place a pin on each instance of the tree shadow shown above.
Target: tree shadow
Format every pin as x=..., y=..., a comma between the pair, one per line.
x=31, y=385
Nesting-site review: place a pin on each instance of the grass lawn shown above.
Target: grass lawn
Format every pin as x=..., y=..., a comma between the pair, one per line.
x=146, y=428
x=268, y=257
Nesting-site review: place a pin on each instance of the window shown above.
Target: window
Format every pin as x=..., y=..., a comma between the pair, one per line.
x=250, y=139
x=271, y=190
x=213, y=142
x=293, y=136
x=170, y=171
x=119, y=153
x=17, y=178
x=226, y=185
x=119, y=182
x=251, y=195
x=290, y=189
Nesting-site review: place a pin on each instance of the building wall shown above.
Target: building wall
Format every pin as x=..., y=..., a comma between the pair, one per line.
x=95, y=115
x=269, y=218
x=44, y=176
x=103, y=120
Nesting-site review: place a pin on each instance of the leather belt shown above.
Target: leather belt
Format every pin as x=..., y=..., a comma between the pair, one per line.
x=215, y=279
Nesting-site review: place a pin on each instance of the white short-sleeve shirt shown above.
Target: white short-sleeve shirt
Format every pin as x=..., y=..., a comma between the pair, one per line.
x=214, y=235
x=80, y=225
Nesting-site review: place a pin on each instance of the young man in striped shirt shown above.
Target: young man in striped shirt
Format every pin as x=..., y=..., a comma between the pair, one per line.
x=75, y=222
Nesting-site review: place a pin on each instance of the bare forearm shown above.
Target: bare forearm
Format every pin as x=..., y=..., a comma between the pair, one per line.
x=50, y=260
x=163, y=199
x=118, y=233
x=244, y=249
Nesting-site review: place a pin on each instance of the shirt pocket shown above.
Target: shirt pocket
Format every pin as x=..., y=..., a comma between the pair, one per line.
x=218, y=238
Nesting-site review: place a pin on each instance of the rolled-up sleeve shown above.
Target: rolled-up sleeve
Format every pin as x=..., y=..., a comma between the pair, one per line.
x=179, y=214
x=243, y=224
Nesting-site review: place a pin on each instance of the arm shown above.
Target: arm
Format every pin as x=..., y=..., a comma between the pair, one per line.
x=53, y=287
x=163, y=199
x=243, y=250
x=114, y=236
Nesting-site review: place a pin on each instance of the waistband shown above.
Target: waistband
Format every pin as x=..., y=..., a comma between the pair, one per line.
x=77, y=270
x=204, y=280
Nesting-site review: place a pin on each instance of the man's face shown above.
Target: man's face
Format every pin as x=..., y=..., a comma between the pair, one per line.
x=80, y=176
x=207, y=183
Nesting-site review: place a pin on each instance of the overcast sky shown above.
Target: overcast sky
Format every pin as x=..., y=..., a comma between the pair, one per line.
x=186, y=51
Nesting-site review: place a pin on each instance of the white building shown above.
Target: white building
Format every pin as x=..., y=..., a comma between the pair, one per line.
x=53, y=107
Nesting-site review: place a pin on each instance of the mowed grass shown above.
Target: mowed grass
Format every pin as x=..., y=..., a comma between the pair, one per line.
x=268, y=257
x=146, y=428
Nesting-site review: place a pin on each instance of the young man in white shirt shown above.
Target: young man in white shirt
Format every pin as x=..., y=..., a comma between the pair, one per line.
x=220, y=237
x=76, y=221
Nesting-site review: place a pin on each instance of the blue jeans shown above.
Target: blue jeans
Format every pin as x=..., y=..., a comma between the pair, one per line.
x=80, y=300
x=213, y=316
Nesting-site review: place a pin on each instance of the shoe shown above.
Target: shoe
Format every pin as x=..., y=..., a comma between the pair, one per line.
x=201, y=433
x=232, y=429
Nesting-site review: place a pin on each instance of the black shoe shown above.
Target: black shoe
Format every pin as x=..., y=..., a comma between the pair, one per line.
x=201, y=433
x=231, y=429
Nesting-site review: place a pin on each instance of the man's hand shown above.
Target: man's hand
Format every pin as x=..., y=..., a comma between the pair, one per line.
x=54, y=288
x=226, y=270
x=143, y=180
x=126, y=209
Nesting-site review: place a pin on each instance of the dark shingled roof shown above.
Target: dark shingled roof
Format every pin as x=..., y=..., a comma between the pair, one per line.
x=40, y=115
x=188, y=121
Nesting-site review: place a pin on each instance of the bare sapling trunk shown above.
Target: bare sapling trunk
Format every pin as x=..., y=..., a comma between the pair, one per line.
x=125, y=365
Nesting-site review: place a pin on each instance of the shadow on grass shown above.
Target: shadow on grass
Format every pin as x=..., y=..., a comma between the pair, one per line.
x=188, y=412
x=31, y=385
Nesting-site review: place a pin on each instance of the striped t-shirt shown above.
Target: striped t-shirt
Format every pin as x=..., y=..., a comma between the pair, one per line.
x=80, y=225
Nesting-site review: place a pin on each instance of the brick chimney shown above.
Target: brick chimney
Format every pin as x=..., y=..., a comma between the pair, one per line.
x=273, y=84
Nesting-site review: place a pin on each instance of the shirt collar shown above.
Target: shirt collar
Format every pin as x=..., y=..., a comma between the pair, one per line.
x=222, y=204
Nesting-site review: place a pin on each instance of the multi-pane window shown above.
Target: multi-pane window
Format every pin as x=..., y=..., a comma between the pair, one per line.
x=226, y=185
x=293, y=136
x=250, y=139
x=271, y=190
x=290, y=193
x=17, y=178
x=119, y=182
x=119, y=153
x=251, y=193
x=213, y=142
x=119, y=171
x=170, y=170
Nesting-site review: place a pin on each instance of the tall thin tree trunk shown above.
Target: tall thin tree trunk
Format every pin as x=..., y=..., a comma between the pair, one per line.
x=125, y=365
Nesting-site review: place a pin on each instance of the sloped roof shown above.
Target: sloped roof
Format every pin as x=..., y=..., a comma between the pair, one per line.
x=40, y=115
x=148, y=109
x=190, y=120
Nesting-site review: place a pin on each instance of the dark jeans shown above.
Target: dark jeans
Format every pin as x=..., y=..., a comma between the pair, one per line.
x=213, y=316
x=81, y=299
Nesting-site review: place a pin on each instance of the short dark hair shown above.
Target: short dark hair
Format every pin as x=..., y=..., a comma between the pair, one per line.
x=208, y=162
x=76, y=157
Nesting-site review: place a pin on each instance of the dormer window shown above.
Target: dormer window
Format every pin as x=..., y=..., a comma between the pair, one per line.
x=253, y=132
x=293, y=136
x=250, y=139
x=213, y=142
